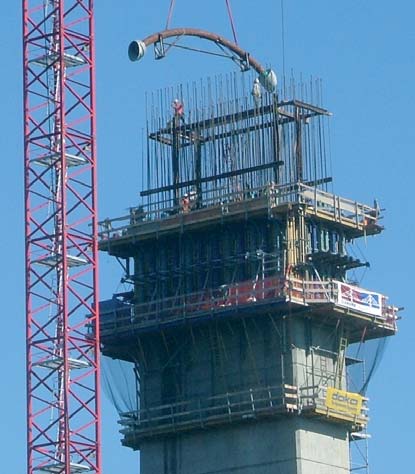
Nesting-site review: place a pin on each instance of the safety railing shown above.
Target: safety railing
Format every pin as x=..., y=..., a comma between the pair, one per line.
x=246, y=295
x=163, y=209
x=204, y=411
x=271, y=196
x=310, y=291
x=190, y=305
x=339, y=208
x=344, y=295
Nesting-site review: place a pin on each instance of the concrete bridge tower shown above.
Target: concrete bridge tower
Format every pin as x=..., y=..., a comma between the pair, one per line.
x=241, y=310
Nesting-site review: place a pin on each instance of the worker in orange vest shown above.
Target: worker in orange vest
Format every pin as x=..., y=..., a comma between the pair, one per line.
x=178, y=110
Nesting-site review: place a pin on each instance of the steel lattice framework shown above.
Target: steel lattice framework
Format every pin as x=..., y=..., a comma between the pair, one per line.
x=61, y=244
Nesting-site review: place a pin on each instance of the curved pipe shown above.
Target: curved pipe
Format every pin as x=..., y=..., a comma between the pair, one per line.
x=136, y=50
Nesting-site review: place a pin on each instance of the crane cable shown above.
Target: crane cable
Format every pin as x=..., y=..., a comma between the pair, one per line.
x=170, y=14
x=228, y=6
x=230, y=15
x=283, y=40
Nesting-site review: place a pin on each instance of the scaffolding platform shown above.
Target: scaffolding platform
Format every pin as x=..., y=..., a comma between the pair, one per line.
x=59, y=468
x=356, y=219
x=328, y=301
x=55, y=363
x=54, y=259
x=246, y=406
x=53, y=158
x=70, y=60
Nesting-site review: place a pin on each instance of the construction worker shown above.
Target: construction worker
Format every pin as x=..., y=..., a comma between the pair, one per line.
x=185, y=204
x=137, y=214
x=178, y=110
x=371, y=217
x=106, y=226
x=256, y=92
x=193, y=198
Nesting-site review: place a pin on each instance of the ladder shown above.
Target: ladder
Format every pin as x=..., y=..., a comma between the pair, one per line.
x=340, y=362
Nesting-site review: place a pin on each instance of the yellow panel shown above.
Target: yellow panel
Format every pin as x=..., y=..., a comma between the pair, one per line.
x=345, y=402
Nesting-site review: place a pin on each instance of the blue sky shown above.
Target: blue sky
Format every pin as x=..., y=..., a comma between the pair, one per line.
x=363, y=51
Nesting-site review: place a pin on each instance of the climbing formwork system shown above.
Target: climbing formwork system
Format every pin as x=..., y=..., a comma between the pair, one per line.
x=241, y=309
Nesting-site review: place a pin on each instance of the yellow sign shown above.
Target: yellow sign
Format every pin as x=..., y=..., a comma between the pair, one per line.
x=345, y=402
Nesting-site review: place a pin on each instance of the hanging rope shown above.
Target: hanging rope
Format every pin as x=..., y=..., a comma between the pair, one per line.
x=283, y=39
x=228, y=6
x=170, y=14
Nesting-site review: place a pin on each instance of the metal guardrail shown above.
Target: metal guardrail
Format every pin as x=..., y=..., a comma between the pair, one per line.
x=340, y=208
x=200, y=412
x=245, y=405
x=317, y=201
x=245, y=294
x=193, y=304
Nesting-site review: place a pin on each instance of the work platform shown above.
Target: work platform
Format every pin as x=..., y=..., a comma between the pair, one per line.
x=159, y=219
x=328, y=302
x=247, y=407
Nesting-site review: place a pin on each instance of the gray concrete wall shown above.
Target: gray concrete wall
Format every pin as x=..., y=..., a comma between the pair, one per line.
x=322, y=447
x=252, y=448
x=290, y=446
x=230, y=357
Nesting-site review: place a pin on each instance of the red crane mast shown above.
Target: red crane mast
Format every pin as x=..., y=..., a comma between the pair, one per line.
x=63, y=403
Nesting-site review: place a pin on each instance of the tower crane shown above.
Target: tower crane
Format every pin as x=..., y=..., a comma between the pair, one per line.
x=62, y=314
x=63, y=400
